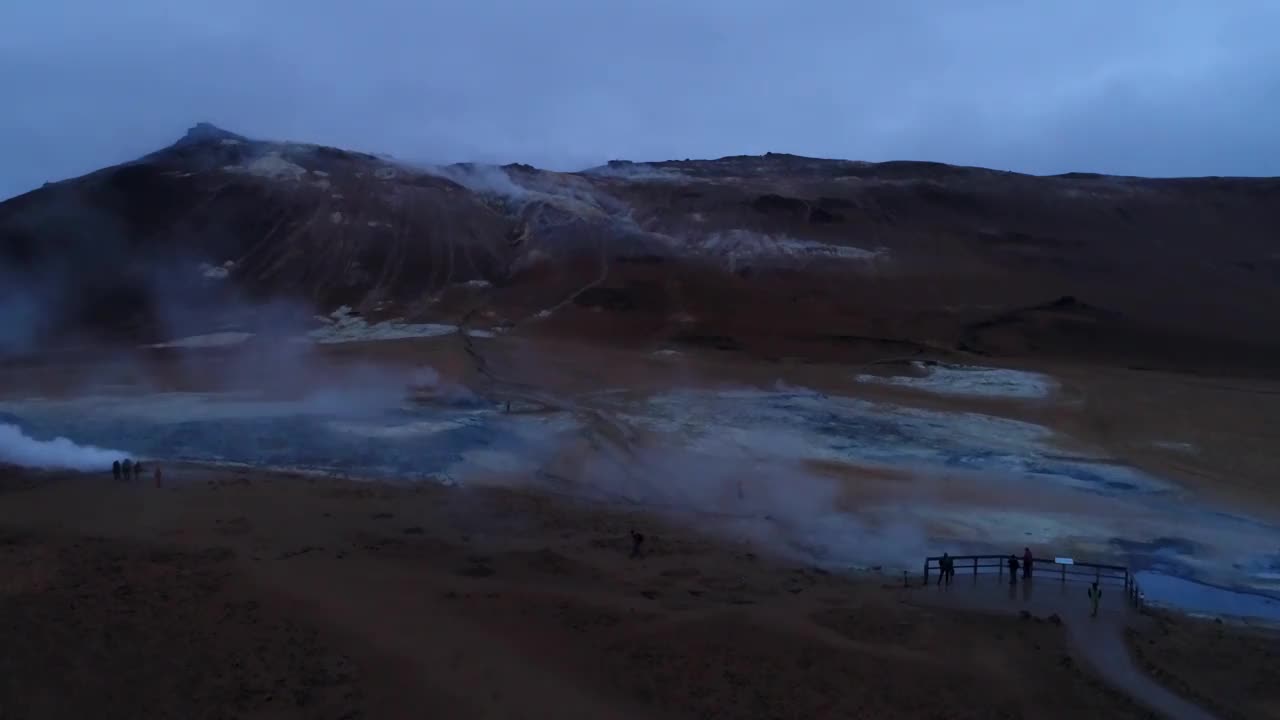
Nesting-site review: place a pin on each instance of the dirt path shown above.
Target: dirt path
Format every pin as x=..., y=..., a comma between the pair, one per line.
x=1102, y=645
x=1099, y=641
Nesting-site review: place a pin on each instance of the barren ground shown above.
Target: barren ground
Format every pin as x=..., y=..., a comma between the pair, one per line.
x=254, y=595
x=1234, y=671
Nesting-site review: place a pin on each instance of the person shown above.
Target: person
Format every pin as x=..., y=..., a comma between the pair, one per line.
x=137, y=470
x=636, y=541
x=1026, y=563
x=946, y=568
x=127, y=468
x=115, y=469
x=1013, y=569
x=1095, y=594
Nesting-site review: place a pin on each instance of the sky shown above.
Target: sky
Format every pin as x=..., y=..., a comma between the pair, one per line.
x=1138, y=87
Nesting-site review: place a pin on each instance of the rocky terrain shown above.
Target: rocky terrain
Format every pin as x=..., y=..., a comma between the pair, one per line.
x=409, y=416
x=776, y=255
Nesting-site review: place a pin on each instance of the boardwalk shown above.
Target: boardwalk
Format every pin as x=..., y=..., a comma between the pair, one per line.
x=1099, y=641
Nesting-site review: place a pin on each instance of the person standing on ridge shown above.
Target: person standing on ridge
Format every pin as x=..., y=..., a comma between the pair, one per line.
x=137, y=470
x=1095, y=594
x=127, y=468
x=1013, y=569
x=115, y=469
x=1026, y=563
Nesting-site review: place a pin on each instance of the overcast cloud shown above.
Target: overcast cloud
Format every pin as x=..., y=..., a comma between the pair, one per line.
x=1151, y=87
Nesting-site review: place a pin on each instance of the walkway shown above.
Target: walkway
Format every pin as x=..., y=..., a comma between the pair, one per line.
x=1099, y=641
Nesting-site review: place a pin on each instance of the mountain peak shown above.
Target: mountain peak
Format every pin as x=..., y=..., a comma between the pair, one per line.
x=203, y=132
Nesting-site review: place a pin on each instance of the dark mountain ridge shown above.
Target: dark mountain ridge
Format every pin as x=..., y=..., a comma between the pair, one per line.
x=754, y=248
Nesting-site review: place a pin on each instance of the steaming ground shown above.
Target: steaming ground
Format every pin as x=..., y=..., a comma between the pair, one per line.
x=57, y=453
x=943, y=456
x=474, y=553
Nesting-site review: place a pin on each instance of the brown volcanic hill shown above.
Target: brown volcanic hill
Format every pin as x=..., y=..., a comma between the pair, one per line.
x=278, y=218
x=778, y=254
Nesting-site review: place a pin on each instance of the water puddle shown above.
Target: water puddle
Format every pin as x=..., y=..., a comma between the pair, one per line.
x=1200, y=598
x=972, y=381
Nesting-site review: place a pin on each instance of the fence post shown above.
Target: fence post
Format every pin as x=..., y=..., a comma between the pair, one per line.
x=1064, y=572
x=1000, y=570
x=975, y=567
x=926, y=571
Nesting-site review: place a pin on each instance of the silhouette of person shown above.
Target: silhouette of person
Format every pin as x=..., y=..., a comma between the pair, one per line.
x=1013, y=569
x=944, y=568
x=137, y=470
x=636, y=541
x=1027, y=559
x=115, y=469
x=127, y=468
x=1095, y=595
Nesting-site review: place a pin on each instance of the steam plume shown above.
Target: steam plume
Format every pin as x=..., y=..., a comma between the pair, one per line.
x=18, y=448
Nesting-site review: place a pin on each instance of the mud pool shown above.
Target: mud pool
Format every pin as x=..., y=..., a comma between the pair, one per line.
x=976, y=483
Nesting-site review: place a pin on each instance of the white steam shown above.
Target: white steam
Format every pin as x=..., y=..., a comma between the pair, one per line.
x=483, y=179
x=637, y=171
x=18, y=448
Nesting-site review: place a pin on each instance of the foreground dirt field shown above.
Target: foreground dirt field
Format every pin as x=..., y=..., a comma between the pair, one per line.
x=228, y=594
x=1233, y=670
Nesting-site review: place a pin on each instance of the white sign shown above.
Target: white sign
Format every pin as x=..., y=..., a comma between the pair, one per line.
x=1064, y=561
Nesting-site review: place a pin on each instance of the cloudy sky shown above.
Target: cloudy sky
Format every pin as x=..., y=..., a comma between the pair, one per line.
x=1152, y=87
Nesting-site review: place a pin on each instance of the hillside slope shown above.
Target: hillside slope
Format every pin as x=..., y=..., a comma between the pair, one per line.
x=776, y=254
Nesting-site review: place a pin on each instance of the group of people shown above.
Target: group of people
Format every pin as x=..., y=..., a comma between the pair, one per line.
x=947, y=572
x=947, y=567
x=127, y=470
x=1027, y=561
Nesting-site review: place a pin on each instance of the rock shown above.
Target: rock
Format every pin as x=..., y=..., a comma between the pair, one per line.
x=208, y=132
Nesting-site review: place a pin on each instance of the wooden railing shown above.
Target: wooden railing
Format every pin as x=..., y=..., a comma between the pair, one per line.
x=1041, y=567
